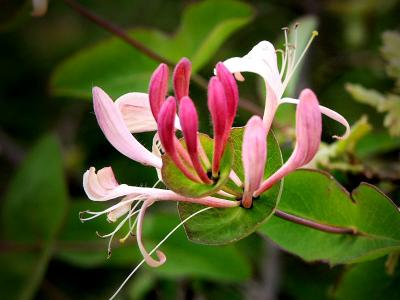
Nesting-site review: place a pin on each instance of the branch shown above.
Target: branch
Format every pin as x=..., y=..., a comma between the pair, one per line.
x=314, y=225
x=114, y=29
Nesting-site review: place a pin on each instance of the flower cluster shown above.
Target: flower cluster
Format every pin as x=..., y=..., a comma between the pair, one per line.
x=155, y=111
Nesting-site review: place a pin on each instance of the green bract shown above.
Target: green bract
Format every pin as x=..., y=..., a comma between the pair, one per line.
x=176, y=181
x=225, y=225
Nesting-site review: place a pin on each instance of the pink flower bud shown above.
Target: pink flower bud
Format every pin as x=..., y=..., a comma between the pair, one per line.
x=158, y=89
x=231, y=91
x=189, y=122
x=218, y=110
x=181, y=78
x=166, y=132
x=254, y=155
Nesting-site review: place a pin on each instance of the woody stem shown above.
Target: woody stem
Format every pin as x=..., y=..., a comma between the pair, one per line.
x=315, y=225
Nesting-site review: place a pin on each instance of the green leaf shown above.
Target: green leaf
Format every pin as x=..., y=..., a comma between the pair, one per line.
x=119, y=68
x=176, y=181
x=316, y=196
x=369, y=281
x=32, y=214
x=226, y=225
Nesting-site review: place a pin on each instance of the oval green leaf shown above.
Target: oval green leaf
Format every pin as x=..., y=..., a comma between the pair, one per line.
x=220, y=226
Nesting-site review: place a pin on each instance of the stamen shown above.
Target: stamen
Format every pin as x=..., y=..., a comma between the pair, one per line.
x=131, y=213
x=282, y=53
x=296, y=26
x=99, y=213
x=156, y=248
x=288, y=76
x=285, y=58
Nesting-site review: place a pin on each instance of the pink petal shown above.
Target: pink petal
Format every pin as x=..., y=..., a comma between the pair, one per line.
x=181, y=78
x=218, y=110
x=167, y=136
x=308, y=138
x=231, y=91
x=136, y=111
x=158, y=88
x=103, y=186
x=254, y=155
x=113, y=126
x=189, y=120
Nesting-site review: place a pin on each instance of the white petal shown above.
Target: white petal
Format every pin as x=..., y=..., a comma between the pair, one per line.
x=261, y=60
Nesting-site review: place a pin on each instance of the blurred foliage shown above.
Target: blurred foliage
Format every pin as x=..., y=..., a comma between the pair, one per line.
x=45, y=251
x=390, y=103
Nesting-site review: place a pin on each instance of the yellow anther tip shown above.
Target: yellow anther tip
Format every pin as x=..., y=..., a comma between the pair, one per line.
x=315, y=33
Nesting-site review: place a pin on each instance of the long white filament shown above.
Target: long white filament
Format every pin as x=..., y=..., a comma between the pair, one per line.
x=155, y=249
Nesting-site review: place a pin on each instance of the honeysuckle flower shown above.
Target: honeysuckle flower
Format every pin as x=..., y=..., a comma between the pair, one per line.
x=262, y=60
x=39, y=7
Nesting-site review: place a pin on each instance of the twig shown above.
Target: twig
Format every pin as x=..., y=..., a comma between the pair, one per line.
x=114, y=29
x=314, y=225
